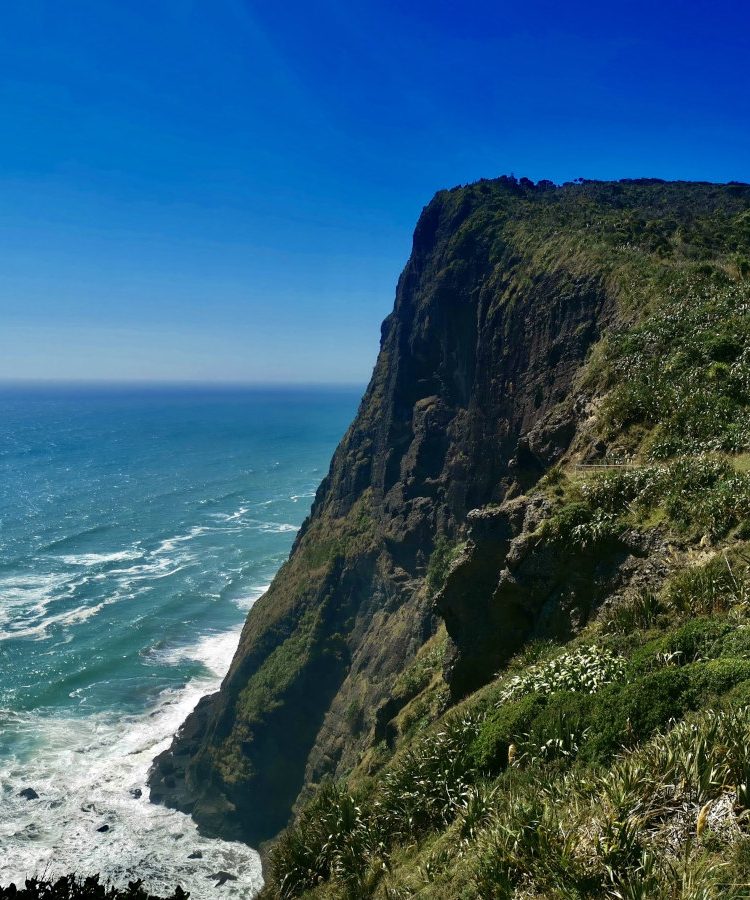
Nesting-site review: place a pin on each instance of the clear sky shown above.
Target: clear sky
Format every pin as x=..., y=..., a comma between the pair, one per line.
x=225, y=190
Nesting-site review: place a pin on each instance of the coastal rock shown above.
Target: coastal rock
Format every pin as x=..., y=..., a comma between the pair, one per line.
x=29, y=794
x=222, y=877
x=510, y=586
x=476, y=393
x=475, y=365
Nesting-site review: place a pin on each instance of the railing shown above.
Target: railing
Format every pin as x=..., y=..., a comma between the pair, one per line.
x=613, y=465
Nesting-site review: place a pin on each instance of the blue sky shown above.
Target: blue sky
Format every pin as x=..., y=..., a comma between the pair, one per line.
x=226, y=191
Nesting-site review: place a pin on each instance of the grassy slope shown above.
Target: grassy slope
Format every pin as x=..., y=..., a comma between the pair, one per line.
x=617, y=765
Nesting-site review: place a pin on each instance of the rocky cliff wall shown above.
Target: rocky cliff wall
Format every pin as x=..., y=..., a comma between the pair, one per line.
x=474, y=395
x=480, y=350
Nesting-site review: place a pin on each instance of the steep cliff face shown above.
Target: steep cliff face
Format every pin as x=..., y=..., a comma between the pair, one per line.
x=476, y=392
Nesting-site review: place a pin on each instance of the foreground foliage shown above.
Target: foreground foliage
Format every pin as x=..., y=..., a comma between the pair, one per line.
x=617, y=769
x=72, y=888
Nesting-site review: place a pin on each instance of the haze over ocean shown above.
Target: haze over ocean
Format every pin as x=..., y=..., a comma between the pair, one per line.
x=137, y=527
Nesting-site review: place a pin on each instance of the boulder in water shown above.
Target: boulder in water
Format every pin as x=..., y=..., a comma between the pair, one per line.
x=29, y=794
x=222, y=878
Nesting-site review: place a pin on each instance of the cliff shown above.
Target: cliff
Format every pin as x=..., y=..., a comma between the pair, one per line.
x=495, y=367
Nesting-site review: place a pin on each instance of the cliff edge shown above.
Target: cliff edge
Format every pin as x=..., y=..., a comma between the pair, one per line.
x=485, y=380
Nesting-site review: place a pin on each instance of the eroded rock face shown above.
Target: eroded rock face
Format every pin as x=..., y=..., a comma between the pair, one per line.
x=470, y=399
x=511, y=585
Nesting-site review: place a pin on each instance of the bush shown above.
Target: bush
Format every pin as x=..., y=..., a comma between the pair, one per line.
x=626, y=714
x=504, y=726
x=698, y=495
x=641, y=609
x=699, y=638
x=587, y=670
x=714, y=588
x=736, y=642
x=579, y=525
x=331, y=838
x=427, y=785
x=561, y=727
x=685, y=370
x=717, y=676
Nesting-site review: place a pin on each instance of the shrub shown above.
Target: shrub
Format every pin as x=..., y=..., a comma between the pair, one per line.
x=716, y=587
x=717, y=676
x=586, y=670
x=331, y=838
x=685, y=369
x=641, y=609
x=427, y=785
x=736, y=642
x=504, y=726
x=699, y=638
x=70, y=887
x=561, y=727
x=579, y=525
x=698, y=495
x=527, y=840
x=701, y=758
x=626, y=714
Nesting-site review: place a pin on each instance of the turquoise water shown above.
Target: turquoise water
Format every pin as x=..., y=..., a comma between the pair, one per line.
x=137, y=527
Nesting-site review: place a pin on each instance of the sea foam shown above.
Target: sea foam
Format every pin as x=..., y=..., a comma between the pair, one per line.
x=88, y=772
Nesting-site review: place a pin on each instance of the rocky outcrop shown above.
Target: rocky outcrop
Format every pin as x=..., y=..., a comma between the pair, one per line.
x=513, y=584
x=471, y=399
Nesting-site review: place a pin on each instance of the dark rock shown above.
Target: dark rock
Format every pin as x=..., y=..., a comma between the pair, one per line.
x=222, y=878
x=196, y=854
x=29, y=794
x=103, y=828
x=137, y=793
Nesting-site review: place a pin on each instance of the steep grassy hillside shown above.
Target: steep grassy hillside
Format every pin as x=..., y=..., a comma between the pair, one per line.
x=490, y=668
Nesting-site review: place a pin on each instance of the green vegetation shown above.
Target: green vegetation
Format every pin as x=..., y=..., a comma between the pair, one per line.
x=441, y=559
x=416, y=677
x=313, y=644
x=583, y=670
x=684, y=373
x=611, y=760
x=600, y=770
x=692, y=496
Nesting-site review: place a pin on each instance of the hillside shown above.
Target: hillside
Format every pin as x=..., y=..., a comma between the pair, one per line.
x=510, y=670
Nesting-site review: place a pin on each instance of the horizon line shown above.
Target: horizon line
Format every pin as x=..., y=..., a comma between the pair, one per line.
x=164, y=383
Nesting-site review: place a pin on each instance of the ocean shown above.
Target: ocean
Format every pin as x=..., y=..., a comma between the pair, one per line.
x=137, y=528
